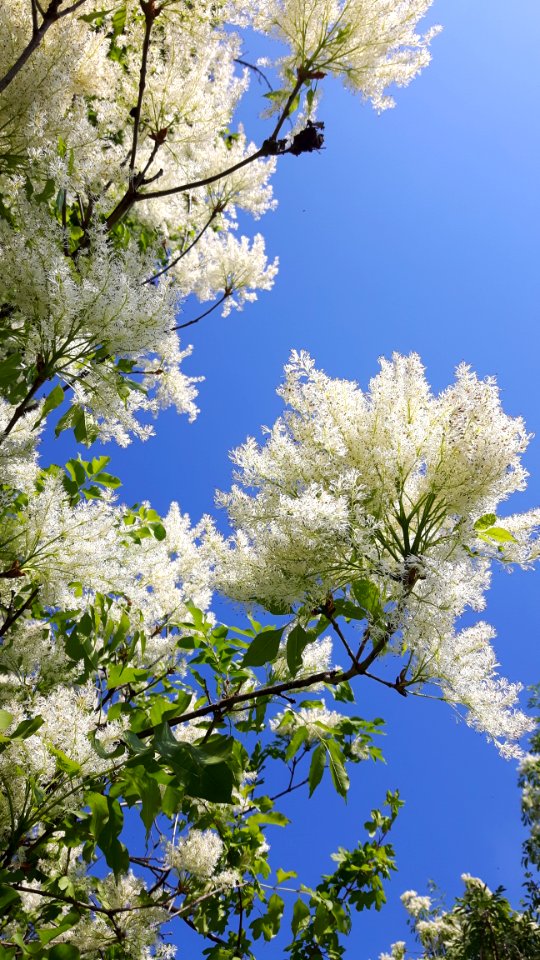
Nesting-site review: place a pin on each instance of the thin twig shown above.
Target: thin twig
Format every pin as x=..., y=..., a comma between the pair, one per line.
x=184, y=253
x=201, y=316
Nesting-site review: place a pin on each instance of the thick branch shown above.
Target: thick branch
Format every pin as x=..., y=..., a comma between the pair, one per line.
x=52, y=14
x=150, y=14
x=132, y=195
x=227, y=704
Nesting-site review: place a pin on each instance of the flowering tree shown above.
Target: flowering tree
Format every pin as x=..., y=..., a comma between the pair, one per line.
x=367, y=520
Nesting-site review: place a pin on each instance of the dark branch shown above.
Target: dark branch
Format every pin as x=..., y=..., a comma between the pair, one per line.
x=206, y=312
x=52, y=14
x=12, y=617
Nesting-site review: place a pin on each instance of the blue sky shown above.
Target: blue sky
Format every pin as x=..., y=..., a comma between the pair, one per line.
x=414, y=230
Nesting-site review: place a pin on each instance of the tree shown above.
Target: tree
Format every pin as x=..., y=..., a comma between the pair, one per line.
x=367, y=517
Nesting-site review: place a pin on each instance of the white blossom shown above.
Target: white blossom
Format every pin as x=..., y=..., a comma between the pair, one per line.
x=197, y=853
x=398, y=487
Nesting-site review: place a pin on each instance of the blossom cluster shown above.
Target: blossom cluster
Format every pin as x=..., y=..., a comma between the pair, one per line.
x=399, y=488
x=113, y=215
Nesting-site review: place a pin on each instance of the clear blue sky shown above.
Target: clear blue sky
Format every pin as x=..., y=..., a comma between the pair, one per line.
x=414, y=230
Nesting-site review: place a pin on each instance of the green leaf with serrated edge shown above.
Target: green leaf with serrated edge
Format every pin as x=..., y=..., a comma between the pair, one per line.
x=488, y=520
x=297, y=642
x=263, y=649
x=339, y=775
x=316, y=769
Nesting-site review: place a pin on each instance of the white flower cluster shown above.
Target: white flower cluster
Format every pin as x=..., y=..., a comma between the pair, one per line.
x=198, y=853
x=317, y=722
x=398, y=487
x=397, y=951
x=414, y=903
x=371, y=45
x=75, y=277
x=316, y=658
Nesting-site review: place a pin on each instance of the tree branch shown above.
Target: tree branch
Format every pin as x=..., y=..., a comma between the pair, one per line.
x=150, y=14
x=226, y=704
x=23, y=406
x=52, y=14
x=184, y=253
x=201, y=316
x=13, y=617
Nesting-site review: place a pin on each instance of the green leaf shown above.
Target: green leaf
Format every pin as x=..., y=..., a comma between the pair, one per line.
x=7, y=896
x=297, y=642
x=488, y=520
x=316, y=769
x=499, y=534
x=263, y=649
x=277, y=96
x=26, y=728
x=48, y=191
x=96, y=15
x=300, y=916
x=64, y=951
x=278, y=608
x=54, y=399
x=9, y=368
x=268, y=925
x=64, y=763
x=119, y=20
x=202, y=771
x=164, y=709
x=158, y=530
x=106, y=822
x=297, y=740
x=283, y=875
x=119, y=675
x=5, y=719
x=139, y=785
x=337, y=768
x=367, y=596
